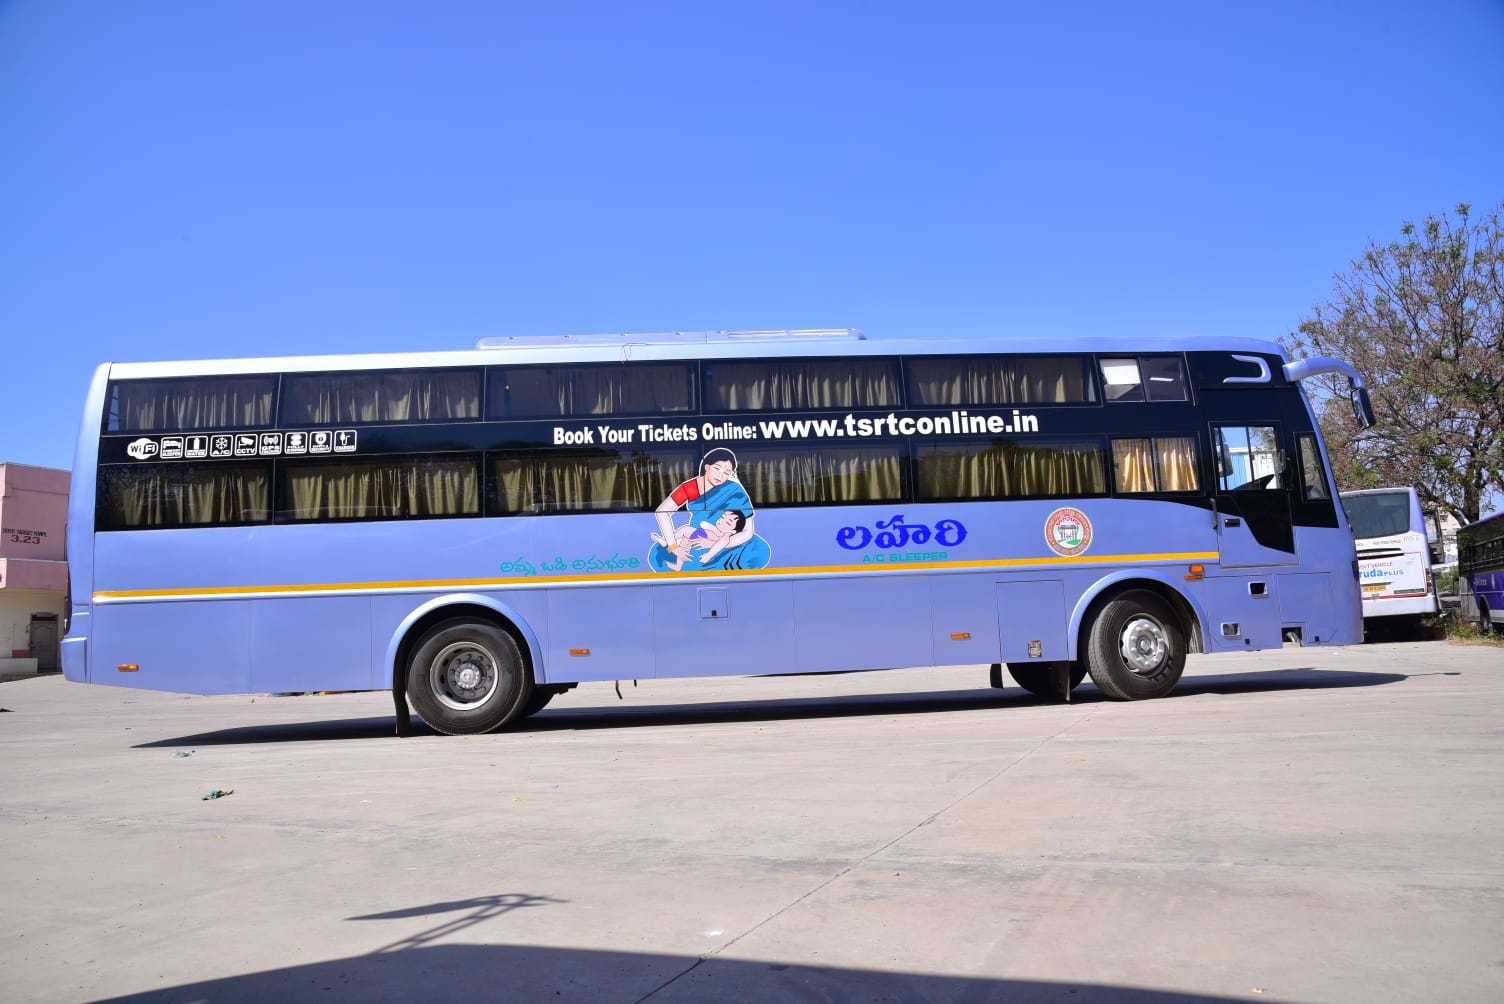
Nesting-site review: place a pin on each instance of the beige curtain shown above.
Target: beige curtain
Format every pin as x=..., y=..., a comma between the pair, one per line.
x=383, y=489
x=1008, y=470
x=1176, y=464
x=801, y=385
x=416, y=396
x=583, y=483
x=814, y=476
x=1164, y=464
x=985, y=380
x=568, y=485
x=184, y=405
x=184, y=495
x=573, y=483
x=1133, y=465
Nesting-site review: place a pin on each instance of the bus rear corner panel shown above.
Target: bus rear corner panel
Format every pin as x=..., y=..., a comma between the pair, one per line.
x=73, y=651
x=1319, y=608
x=181, y=648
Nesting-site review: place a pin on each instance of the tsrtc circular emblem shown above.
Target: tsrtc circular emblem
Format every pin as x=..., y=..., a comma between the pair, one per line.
x=1068, y=532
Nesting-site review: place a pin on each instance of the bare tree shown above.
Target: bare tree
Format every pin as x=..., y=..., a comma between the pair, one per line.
x=1422, y=318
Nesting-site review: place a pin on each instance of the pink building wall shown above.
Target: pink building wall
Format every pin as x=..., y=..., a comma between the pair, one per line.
x=33, y=512
x=33, y=555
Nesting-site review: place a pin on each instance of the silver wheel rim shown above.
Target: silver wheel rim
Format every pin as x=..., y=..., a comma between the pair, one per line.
x=463, y=676
x=1144, y=645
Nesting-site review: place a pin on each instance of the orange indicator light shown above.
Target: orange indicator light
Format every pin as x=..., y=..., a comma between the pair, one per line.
x=579, y=651
x=960, y=636
x=127, y=667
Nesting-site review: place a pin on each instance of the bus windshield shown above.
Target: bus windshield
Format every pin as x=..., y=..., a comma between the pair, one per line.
x=1380, y=514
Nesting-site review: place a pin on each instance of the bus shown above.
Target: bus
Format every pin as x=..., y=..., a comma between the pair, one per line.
x=479, y=531
x=1394, y=557
x=1480, y=572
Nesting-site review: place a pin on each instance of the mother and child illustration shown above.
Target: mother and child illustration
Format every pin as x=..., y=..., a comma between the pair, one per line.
x=720, y=531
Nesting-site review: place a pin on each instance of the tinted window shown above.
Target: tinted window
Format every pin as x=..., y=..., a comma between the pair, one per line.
x=800, y=384
x=184, y=405
x=395, y=397
x=582, y=391
x=935, y=381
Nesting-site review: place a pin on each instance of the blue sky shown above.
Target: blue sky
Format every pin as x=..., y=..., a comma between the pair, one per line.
x=181, y=179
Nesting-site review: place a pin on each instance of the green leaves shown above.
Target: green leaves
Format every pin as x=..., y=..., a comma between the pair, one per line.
x=1422, y=318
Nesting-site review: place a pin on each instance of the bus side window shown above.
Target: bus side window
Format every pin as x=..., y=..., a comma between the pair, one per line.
x=1312, y=475
x=1248, y=458
x=1165, y=378
x=1155, y=378
x=1121, y=380
x=1157, y=464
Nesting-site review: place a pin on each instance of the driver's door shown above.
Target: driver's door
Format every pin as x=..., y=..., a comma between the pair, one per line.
x=1254, y=527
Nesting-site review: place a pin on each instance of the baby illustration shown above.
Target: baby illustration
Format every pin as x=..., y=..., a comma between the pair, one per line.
x=708, y=537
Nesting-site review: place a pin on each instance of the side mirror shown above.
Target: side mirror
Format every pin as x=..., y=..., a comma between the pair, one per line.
x=1362, y=408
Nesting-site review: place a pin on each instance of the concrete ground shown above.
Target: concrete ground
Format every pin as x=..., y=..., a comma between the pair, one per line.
x=1305, y=825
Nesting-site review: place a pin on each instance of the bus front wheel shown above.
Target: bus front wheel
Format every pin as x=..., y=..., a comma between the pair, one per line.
x=468, y=677
x=1136, y=648
x=542, y=695
x=1485, y=624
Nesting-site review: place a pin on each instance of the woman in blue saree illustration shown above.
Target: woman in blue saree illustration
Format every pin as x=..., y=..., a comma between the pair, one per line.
x=721, y=532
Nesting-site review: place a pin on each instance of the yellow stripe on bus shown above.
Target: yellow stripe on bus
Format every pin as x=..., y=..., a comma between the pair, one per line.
x=646, y=575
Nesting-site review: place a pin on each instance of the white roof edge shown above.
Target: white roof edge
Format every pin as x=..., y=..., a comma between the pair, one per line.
x=691, y=345
x=673, y=337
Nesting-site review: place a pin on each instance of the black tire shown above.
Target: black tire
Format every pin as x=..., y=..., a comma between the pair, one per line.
x=995, y=676
x=1136, y=648
x=468, y=677
x=1038, y=678
x=542, y=694
x=1485, y=626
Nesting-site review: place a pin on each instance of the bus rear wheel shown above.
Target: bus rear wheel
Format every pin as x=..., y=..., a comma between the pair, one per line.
x=1136, y=648
x=1485, y=624
x=1041, y=680
x=468, y=677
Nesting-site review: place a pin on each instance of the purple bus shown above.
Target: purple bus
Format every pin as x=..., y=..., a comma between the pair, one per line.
x=1480, y=571
x=479, y=531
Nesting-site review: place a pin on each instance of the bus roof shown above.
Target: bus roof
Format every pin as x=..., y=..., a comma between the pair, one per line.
x=691, y=345
x=1491, y=518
